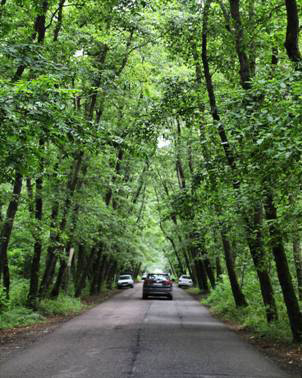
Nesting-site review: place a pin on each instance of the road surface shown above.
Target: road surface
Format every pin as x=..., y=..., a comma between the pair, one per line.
x=127, y=337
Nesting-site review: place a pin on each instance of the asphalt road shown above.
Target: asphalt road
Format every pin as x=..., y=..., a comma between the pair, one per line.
x=127, y=337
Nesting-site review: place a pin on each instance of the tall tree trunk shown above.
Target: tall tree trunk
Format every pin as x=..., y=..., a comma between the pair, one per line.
x=239, y=298
x=297, y=252
x=84, y=272
x=292, y=31
x=254, y=233
x=245, y=74
x=71, y=187
x=95, y=273
x=80, y=262
x=59, y=20
x=285, y=279
x=38, y=213
x=6, y=231
x=256, y=247
x=101, y=275
x=256, y=252
x=51, y=257
x=198, y=265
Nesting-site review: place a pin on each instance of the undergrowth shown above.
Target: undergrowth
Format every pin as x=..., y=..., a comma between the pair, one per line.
x=252, y=317
x=14, y=313
x=63, y=305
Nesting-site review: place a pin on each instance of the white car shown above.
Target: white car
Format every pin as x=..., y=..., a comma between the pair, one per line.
x=125, y=280
x=185, y=281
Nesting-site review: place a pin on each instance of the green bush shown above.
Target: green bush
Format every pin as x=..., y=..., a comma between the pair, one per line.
x=19, y=316
x=253, y=316
x=18, y=293
x=63, y=305
x=3, y=300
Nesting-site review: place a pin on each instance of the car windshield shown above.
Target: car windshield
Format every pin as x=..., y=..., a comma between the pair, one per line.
x=186, y=277
x=125, y=277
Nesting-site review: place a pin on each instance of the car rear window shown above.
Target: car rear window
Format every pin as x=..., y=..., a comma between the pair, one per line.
x=158, y=276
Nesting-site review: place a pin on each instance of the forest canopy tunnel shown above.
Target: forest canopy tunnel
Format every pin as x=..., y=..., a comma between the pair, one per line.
x=136, y=133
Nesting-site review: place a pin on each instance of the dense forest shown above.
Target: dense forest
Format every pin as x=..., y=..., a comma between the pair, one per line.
x=134, y=132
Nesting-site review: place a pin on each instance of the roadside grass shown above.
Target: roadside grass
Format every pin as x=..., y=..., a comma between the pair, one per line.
x=63, y=305
x=14, y=313
x=18, y=317
x=251, y=318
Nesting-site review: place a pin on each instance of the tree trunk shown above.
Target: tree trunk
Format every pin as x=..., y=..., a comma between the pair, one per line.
x=210, y=273
x=59, y=21
x=239, y=297
x=256, y=247
x=292, y=31
x=285, y=279
x=6, y=231
x=35, y=266
x=95, y=273
x=80, y=262
x=51, y=258
x=297, y=252
x=101, y=275
x=84, y=272
x=245, y=74
x=198, y=266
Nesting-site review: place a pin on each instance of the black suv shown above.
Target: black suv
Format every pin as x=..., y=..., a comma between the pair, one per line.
x=157, y=284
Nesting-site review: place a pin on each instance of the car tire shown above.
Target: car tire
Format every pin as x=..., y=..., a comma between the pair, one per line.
x=170, y=297
x=145, y=296
x=132, y=286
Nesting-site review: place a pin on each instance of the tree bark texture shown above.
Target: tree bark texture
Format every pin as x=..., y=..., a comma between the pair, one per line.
x=101, y=274
x=84, y=272
x=38, y=214
x=256, y=247
x=245, y=75
x=285, y=279
x=6, y=231
x=239, y=297
x=292, y=31
x=297, y=252
x=51, y=257
x=59, y=21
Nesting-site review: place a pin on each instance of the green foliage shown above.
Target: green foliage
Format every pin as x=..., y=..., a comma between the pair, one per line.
x=252, y=317
x=3, y=300
x=18, y=293
x=63, y=305
x=18, y=317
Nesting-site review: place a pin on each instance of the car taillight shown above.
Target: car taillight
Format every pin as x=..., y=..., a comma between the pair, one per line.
x=167, y=282
x=147, y=282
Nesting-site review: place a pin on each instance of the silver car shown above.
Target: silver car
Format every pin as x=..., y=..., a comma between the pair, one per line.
x=185, y=281
x=125, y=280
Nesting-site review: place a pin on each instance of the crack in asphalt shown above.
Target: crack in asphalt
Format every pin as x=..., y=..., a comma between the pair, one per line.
x=137, y=346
